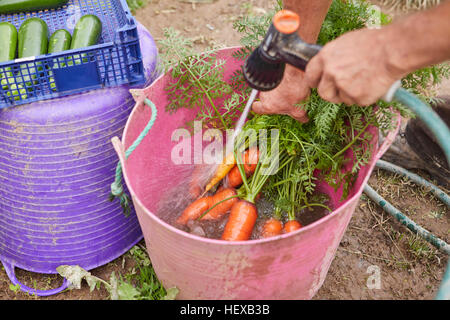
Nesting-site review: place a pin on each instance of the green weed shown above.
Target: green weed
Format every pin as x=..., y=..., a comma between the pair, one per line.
x=136, y=4
x=139, y=284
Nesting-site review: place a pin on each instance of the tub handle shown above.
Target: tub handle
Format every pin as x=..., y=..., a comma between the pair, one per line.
x=116, y=186
x=138, y=95
x=10, y=272
x=117, y=190
x=120, y=150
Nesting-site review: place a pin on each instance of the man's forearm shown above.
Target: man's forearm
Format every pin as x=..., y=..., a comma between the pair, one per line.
x=312, y=13
x=419, y=40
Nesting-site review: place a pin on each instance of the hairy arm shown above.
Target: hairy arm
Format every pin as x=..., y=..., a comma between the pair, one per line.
x=293, y=89
x=420, y=40
x=312, y=14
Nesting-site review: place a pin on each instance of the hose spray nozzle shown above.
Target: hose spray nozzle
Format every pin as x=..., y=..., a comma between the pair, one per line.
x=264, y=68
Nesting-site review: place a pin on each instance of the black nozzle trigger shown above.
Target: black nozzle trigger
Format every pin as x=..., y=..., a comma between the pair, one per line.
x=265, y=67
x=288, y=48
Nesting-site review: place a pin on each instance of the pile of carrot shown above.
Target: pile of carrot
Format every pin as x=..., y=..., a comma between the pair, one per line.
x=273, y=227
x=227, y=199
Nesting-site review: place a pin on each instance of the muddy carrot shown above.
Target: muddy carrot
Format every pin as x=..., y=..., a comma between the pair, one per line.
x=291, y=225
x=195, y=209
x=240, y=222
x=272, y=227
x=221, y=203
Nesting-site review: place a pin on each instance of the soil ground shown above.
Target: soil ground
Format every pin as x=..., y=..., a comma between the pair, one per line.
x=409, y=268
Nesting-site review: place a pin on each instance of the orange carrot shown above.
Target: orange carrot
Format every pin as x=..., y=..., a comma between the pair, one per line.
x=195, y=185
x=221, y=204
x=240, y=222
x=221, y=171
x=291, y=225
x=272, y=227
x=234, y=178
x=251, y=157
x=195, y=209
x=194, y=190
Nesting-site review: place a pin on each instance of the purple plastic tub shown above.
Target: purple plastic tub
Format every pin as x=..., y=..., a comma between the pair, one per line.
x=56, y=169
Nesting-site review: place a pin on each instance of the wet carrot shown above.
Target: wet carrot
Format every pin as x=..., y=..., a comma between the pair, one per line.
x=291, y=225
x=195, y=209
x=240, y=222
x=196, y=180
x=251, y=157
x=234, y=178
x=221, y=171
x=195, y=191
x=272, y=227
x=221, y=204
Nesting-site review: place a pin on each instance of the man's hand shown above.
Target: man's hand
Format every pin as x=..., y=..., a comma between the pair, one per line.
x=354, y=68
x=292, y=90
x=360, y=66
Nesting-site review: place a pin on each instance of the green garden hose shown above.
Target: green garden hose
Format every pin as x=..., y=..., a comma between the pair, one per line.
x=443, y=293
x=440, y=194
x=442, y=133
x=431, y=119
x=410, y=224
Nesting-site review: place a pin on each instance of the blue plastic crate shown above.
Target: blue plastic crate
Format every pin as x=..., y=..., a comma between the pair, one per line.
x=115, y=61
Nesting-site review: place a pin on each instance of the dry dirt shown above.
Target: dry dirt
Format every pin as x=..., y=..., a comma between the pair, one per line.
x=409, y=267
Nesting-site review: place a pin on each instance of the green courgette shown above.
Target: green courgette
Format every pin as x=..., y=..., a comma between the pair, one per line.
x=15, y=6
x=32, y=41
x=8, y=41
x=8, y=47
x=87, y=32
x=17, y=92
x=59, y=41
x=33, y=38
